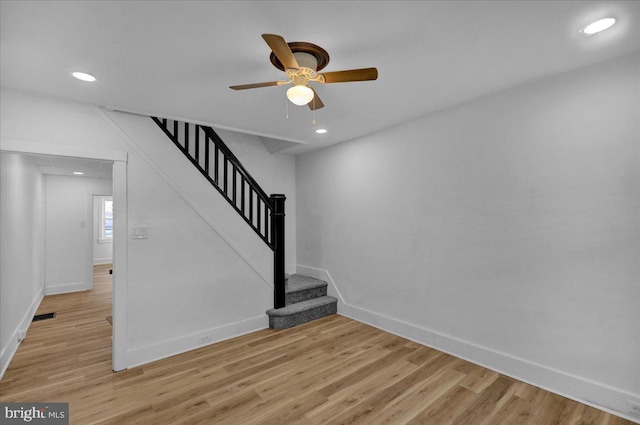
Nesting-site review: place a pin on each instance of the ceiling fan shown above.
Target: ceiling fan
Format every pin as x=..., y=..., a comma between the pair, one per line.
x=301, y=62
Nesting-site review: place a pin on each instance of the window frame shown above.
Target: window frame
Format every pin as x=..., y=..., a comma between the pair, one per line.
x=104, y=238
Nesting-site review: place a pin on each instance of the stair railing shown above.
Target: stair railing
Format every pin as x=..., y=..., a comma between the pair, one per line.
x=265, y=214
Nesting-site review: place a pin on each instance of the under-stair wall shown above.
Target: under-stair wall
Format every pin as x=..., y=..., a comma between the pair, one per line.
x=195, y=260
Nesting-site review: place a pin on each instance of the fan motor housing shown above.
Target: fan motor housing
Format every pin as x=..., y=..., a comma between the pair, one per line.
x=307, y=55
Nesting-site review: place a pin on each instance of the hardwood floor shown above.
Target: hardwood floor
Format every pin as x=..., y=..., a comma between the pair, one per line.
x=331, y=371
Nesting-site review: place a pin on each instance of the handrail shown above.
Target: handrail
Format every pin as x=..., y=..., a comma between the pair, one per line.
x=267, y=222
x=258, y=217
x=234, y=160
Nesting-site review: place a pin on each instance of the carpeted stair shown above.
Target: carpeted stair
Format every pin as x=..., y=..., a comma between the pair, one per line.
x=306, y=300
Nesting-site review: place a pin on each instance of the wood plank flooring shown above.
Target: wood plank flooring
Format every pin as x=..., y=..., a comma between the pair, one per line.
x=331, y=371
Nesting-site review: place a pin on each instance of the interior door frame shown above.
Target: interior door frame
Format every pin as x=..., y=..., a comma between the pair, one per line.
x=120, y=226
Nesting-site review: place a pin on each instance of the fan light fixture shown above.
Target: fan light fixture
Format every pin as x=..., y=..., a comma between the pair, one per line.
x=300, y=94
x=598, y=26
x=301, y=63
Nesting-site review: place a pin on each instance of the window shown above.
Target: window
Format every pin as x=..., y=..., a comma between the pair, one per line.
x=106, y=219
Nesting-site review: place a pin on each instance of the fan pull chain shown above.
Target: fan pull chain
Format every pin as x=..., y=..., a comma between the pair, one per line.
x=286, y=106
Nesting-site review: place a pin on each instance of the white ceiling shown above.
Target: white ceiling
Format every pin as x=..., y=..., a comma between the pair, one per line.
x=177, y=58
x=64, y=166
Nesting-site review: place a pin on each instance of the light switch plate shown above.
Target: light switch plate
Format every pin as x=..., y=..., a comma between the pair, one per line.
x=139, y=232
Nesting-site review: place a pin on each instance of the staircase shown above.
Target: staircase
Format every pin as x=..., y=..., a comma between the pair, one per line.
x=297, y=299
x=306, y=300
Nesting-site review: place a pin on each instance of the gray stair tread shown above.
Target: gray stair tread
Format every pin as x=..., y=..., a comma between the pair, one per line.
x=302, y=306
x=298, y=283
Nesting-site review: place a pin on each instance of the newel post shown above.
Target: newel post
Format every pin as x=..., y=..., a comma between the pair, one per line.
x=277, y=237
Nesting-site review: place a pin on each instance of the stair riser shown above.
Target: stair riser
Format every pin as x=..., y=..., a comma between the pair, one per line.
x=308, y=294
x=299, y=318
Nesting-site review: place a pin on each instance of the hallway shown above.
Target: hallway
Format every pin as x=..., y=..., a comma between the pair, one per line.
x=58, y=352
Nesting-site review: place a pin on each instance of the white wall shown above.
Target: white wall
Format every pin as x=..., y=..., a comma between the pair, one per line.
x=187, y=280
x=69, y=256
x=506, y=231
x=102, y=249
x=21, y=248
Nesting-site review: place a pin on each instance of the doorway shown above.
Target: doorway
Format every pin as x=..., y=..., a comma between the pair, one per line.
x=102, y=228
x=119, y=190
x=72, y=189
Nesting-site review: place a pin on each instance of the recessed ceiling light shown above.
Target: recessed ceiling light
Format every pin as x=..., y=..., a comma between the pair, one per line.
x=78, y=173
x=84, y=76
x=598, y=26
x=321, y=131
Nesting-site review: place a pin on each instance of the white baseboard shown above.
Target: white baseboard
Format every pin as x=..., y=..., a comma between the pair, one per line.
x=595, y=394
x=66, y=288
x=100, y=261
x=323, y=274
x=171, y=347
x=10, y=349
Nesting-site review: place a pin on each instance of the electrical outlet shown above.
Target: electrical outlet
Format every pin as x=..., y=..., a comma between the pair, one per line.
x=205, y=339
x=634, y=407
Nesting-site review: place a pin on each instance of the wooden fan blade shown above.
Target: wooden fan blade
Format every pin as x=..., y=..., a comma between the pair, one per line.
x=363, y=74
x=281, y=50
x=254, y=86
x=315, y=103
